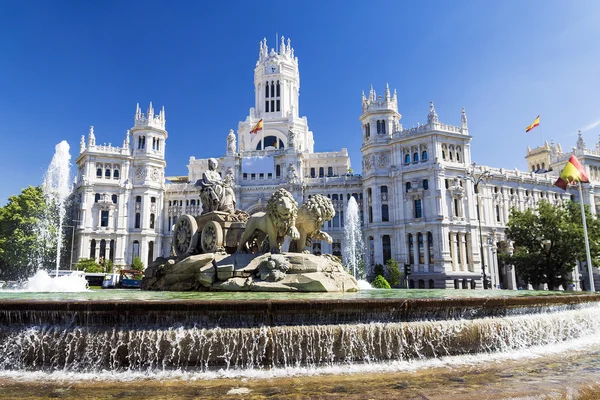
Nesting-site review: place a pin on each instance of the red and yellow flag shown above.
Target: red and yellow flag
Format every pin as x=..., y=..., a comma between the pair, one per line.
x=536, y=122
x=571, y=173
x=258, y=127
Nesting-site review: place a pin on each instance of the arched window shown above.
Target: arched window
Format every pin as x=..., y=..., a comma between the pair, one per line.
x=115, y=198
x=116, y=174
x=543, y=165
x=383, y=189
x=138, y=219
x=408, y=186
x=407, y=158
x=152, y=221
x=329, y=171
x=278, y=171
x=424, y=155
x=416, y=157
x=193, y=202
x=321, y=172
x=386, y=244
x=136, y=249
x=96, y=197
x=443, y=155
x=278, y=90
x=99, y=172
x=421, y=248
x=370, y=214
x=385, y=215
x=418, y=208
x=111, y=251
x=93, y=249
x=465, y=284
x=456, y=284
x=425, y=184
x=102, y=250
x=267, y=89
x=421, y=284
x=150, y=252
x=312, y=173
x=272, y=89
x=430, y=243
x=431, y=284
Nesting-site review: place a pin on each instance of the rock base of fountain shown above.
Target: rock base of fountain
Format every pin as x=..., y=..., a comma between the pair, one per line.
x=285, y=272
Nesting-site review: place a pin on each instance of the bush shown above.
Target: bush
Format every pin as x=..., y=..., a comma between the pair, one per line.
x=108, y=266
x=380, y=283
x=88, y=265
x=394, y=275
x=137, y=264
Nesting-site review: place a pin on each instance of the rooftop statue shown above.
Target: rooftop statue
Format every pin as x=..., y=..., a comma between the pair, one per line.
x=215, y=193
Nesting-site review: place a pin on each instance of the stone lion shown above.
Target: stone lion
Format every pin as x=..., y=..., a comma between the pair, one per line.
x=278, y=221
x=311, y=217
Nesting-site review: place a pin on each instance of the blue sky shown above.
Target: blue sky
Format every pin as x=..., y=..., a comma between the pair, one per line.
x=66, y=65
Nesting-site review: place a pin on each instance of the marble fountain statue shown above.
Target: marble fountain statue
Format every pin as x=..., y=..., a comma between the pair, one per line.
x=226, y=249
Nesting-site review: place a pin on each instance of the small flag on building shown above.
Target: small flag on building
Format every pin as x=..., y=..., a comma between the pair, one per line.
x=258, y=127
x=572, y=172
x=536, y=122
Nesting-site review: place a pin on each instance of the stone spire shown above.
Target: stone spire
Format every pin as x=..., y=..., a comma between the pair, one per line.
x=580, y=142
x=387, y=92
x=82, y=144
x=282, y=45
x=91, y=137
x=598, y=144
x=126, y=141
x=363, y=96
x=372, y=94
x=150, y=112
x=432, y=118
x=138, y=111
x=463, y=119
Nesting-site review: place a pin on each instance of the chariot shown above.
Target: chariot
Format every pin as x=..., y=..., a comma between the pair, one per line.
x=208, y=233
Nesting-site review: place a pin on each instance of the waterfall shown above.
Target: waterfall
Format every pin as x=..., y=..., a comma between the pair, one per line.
x=352, y=245
x=55, y=341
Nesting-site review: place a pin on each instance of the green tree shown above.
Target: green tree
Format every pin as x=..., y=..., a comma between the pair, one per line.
x=380, y=283
x=88, y=265
x=548, y=241
x=378, y=269
x=137, y=264
x=394, y=275
x=22, y=247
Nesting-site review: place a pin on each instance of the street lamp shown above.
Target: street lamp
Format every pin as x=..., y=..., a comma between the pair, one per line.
x=476, y=181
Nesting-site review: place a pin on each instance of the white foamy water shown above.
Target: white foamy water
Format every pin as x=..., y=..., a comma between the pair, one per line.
x=364, y=285
x=185, y=353
x=42, y=282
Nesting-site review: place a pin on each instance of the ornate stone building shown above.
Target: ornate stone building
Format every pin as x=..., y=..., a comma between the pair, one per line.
x=416, y=191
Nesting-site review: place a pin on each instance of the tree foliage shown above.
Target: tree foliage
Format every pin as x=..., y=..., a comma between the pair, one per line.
x=393, y=273
x=88, y=265
x=22, y=250
x=137, y=264
x=548, y=241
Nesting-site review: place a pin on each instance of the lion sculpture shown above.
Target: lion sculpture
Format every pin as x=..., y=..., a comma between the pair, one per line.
x=278, y=221
x=311, y=217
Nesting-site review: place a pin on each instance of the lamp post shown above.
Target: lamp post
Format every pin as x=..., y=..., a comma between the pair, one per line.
x=476, y=181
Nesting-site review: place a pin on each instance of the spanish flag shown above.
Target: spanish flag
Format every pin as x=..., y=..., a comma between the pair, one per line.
x=571, y=173
x=257, y=127
x=536, y=122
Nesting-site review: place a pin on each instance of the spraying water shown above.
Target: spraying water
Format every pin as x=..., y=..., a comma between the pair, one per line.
x=353, y=246
x=56, y=190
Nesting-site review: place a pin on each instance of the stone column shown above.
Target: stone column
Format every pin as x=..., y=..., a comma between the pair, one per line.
x=463, y=252
x=416, y=250
x=453, y=251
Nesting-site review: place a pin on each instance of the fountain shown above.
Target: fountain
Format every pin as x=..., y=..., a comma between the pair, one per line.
x=353, y=245
x=56, y=191
x=210, y=333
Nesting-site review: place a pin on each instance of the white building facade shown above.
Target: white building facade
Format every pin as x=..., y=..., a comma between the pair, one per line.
x=418, y=204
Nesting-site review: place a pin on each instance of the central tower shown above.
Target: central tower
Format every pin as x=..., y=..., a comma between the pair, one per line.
x=276, y=81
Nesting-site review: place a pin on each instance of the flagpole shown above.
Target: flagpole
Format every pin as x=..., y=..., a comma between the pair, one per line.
x=587, y=243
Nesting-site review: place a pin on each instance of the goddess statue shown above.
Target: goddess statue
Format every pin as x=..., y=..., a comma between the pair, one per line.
x=215, y=193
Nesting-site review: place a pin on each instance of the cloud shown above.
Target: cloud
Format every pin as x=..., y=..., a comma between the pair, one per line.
x=591, y=126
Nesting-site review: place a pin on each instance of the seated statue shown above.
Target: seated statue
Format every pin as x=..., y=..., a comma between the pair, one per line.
x=215, y=193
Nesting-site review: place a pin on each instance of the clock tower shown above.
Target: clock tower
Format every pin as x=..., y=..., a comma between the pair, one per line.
x=276, y=81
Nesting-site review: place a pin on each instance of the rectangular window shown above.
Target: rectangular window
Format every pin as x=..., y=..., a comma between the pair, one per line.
x=245, y=176
x=278, y=103
x=138, y=219
x=261, y=176
x=269, y=175
x=272, y=105
x=418, y=209
x=253, y=177
x=104, y=218
x=151, y=221
x=267, y=106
